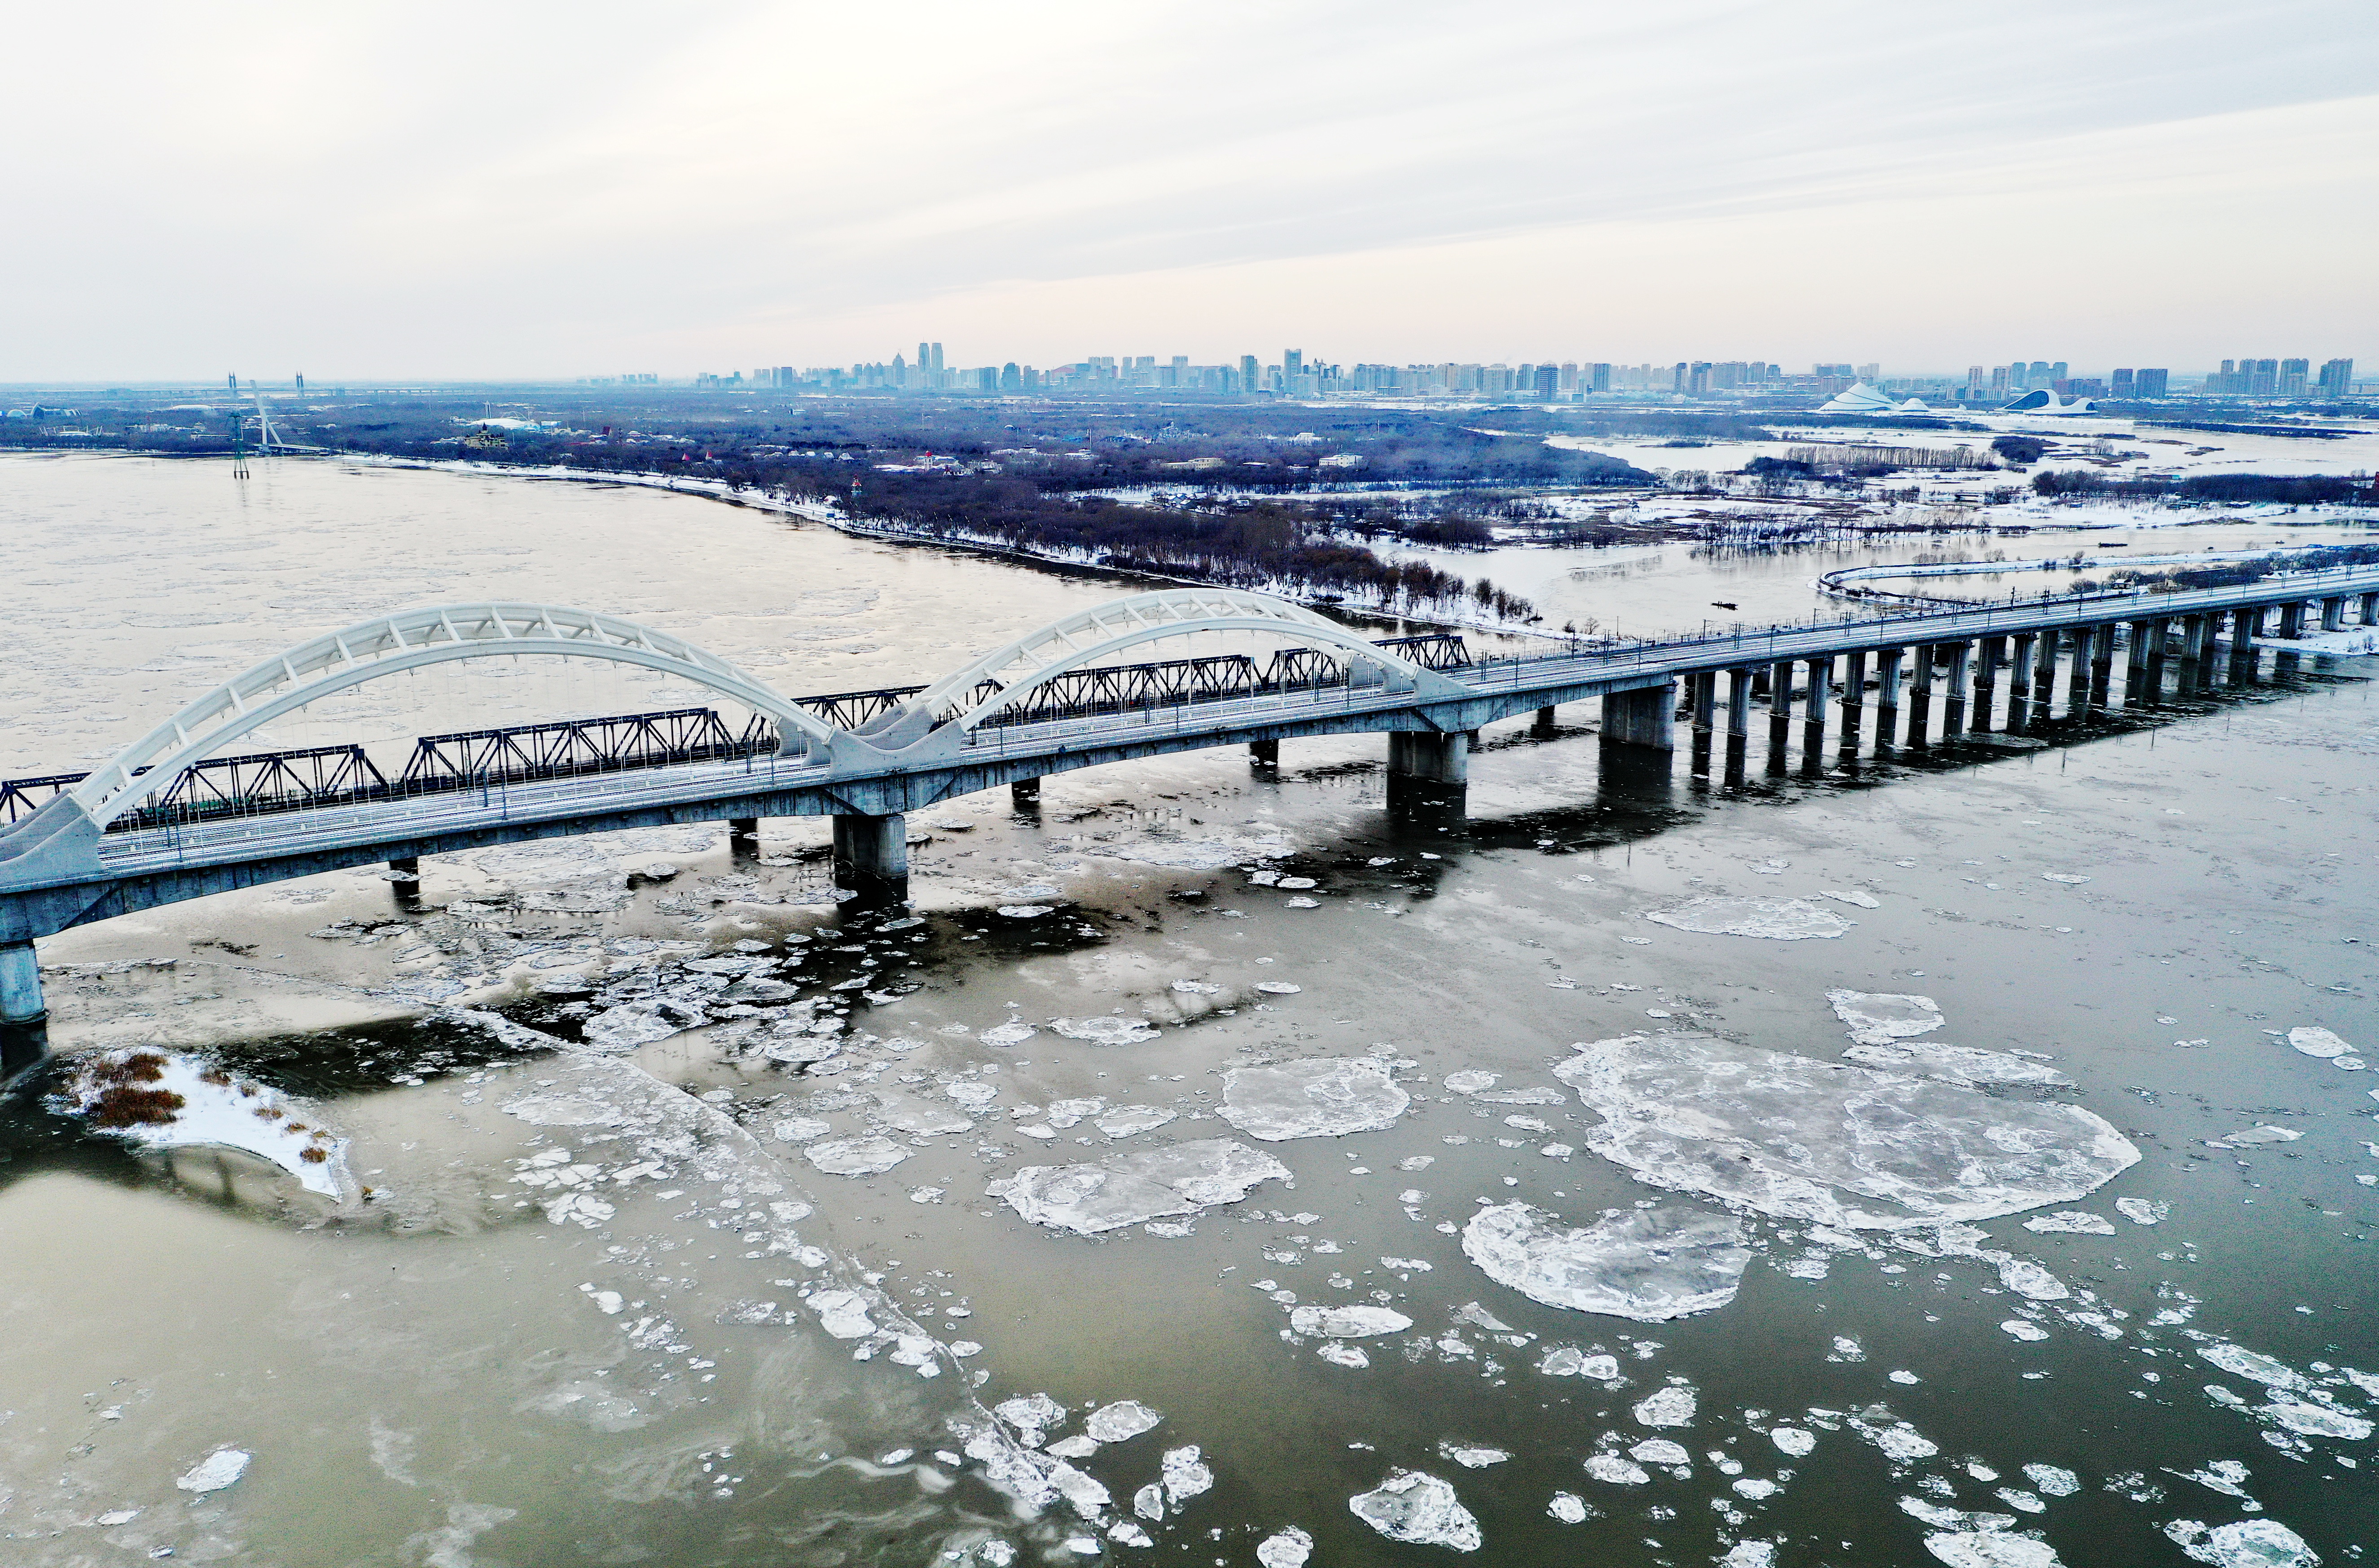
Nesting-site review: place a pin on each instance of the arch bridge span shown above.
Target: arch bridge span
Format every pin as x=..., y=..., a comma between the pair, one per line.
x=993, y=721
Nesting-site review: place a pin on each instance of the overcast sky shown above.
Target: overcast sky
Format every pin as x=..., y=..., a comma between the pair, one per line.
x=367, y=191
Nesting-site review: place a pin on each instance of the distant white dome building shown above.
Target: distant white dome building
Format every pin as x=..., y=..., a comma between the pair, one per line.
x=1864, y=399
x=2042, y=401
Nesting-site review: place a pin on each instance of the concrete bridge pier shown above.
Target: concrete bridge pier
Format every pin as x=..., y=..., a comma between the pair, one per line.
x=2020, y=682
x=1991, y=652
x=1886, y=697
x=1738, y=722
x=1813, y=715
x=1920, y=695
x=1430, y=772
x=743, y=834
x=2333, y=614
x=2135, y=662
x=2102, y=666
x=2293, y=619
x=2077, y=675
x=871, y=853
x=1024, y=795
x=1953, y=713
x=2043, y=676
x=1263, y=754
x=1647, y=717
x=20, y=985
x=2246, y=625
x=1853, y=703
x=2371, y=609
x=1701, y=689
x=1544, y=722
x=1780, y=713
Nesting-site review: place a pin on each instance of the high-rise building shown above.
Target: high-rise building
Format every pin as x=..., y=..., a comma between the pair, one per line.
x=1999, y=383
x=1600, y=377
x=2150, y=384
x=1547, y=381
x=2262, y=376
x=1010, y=379
x=2122, y=386
x=2038, y=373
x=1251, y=373
x=1870, y=372
x=2294, y=374
x=938, y=359
x=1292, y=363
x=2337, y=377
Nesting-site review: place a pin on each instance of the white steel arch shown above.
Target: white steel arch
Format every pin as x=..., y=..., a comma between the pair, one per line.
x=410, y=640
x=1090, y=635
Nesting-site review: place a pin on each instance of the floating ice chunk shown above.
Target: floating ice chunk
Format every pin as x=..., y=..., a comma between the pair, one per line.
x=1149, y=1501
x=1648, y=1264
x=1617, y=1471
x=2313, y=1041
x=1006, y=1034
x=1279, y=988
x=2142, y=1211
x=160, y=1100
x=2053, y=1480
x=1026, y=912
x=800, y=1130
x=216, y=1471
x=2070, y=1222
x=856, y=1156
x=1285, y=1548
x=1794, y=1441
x=1789, y=920
x=1076, y=1447
x=2031, y=1281
x=1660, y=1450
x=1347, y=1322
x=1066, y=1113
x=1864, y=900
x=1125, y=1419
x=2021, y=1329
x=1177, y=1178
x=2250, y=1543
x=1339, y=1352
x=1184, y=1475
x=842, y=1313
x=1880, y=1018
x=1412, y=1505
x=2254, y=1135
x=632, y=1024
x=1107, y=1030
x=1900, y=1443
x=1672, y=1407
x=1969, y=1548
x=2315, y=1420
x=1959, y=1063
x=905, y=1113
x=972, y=1093
x=1197, y=988
x=1470, y=1081
x=1567, y=1507
x=1749, y=1554
x=1126, y=1120
x=2226, y=1476
x=1032, y=1414
x=1471, y=1458
x=1846, y=1147
x=2067, y=877
x=1568, y=1361
x=1322, y=1097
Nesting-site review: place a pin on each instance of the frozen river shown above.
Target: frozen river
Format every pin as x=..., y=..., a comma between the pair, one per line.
x=1973, y=1163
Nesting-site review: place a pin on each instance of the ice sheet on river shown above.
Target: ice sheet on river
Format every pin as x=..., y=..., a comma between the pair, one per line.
x=1648, y=1264
x=1786, y=920
x=1881, y=1019
x=1959, y=1063
x=1126, y=1190
x=1844, y=1146
x=1322, y=1097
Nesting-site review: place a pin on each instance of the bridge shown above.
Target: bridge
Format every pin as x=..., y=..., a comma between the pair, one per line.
x=181, y=814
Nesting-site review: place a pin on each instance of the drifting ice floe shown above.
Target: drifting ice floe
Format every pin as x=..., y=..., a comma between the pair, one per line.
x=1179, y=1178
x=1125, y=1419
x=1347, y=1322
x=2070, y=1222
x=1879, y=1018
x=216, y=1471
x=2142, y=1211
x=2250, y=1543
x=1648, y=1264
x=1959, y=1063
x=1287, y=1549
x=1412, y=1505
x=1844, y=1146
x=2314, y=1041
x=1790, y=920
x=1978, y=1548
x=1109, y=1030
x=1672, y=1407
x=1319, y=1098
x=856, y=1156
x=172, y=1102
x=1617, y=1471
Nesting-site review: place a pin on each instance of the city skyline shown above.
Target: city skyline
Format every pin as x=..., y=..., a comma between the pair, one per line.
x=345, y=190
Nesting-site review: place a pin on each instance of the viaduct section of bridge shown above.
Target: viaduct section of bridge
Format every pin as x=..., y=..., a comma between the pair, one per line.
x=1062, y=698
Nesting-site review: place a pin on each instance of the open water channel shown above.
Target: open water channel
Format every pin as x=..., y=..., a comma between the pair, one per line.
x=1968, y=1160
